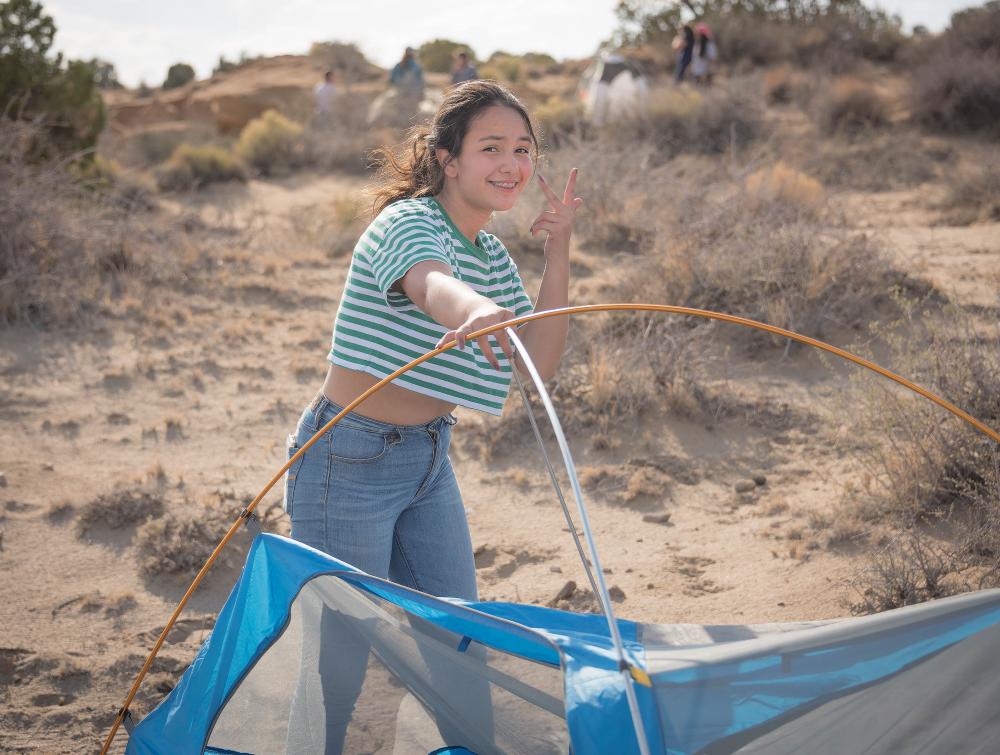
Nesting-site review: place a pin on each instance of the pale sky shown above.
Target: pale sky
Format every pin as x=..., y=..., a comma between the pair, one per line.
x=144, y=38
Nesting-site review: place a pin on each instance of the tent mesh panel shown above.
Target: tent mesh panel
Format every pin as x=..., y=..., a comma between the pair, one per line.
x=421, y=687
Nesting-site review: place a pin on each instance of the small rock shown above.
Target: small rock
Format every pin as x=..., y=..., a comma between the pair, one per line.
x=629, y=570
x=781, y=604
x=759, y=479
x=744, y=486
x=663, y=518
x=555, y=569
x=607, y=570
x=46, y=467
x=650, y=586
x=3, y=480
x=616, y=594
x=566, y=592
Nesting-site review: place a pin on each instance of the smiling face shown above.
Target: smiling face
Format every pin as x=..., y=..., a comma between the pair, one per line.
x=495, y=162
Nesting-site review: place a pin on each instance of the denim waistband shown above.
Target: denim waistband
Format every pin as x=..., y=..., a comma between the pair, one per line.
x=322, y=405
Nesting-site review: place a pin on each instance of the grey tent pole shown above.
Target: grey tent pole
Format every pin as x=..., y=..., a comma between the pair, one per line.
x=555, y=484
x=602, y=595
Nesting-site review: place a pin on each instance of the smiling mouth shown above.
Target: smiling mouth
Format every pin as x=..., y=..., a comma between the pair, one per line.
x=507, y=185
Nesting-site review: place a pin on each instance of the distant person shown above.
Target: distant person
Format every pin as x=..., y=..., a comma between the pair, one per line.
x=407, y=75
x=463, y=70
x=683, y=45
x=324, y=93
x=704, y=55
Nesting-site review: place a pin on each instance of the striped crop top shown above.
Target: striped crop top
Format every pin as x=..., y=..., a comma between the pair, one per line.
x=379, y=329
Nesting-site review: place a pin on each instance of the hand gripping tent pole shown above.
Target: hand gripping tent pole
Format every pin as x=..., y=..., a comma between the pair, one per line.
x=247, y=514
x=627, y=669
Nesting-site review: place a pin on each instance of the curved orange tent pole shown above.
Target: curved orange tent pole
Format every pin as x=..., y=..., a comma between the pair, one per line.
x=581, y=309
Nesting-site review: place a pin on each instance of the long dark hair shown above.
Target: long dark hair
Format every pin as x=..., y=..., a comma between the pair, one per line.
x=413, y=170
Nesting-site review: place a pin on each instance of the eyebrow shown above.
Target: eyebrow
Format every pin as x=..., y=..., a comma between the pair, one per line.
x=498, y=138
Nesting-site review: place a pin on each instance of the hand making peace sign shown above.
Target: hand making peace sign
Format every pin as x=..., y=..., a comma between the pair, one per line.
x=557, y=221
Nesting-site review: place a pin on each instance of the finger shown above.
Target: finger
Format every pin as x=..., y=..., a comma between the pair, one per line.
x=570, y=186
x=503, y=341
x=577, y=202
x=484, y=345
x=550, y=195
x=446, y=338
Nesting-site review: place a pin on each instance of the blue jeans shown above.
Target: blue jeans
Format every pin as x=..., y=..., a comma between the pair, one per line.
x=383, y=498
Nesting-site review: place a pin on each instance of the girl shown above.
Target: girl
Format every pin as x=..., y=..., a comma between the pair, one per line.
x=378, y=490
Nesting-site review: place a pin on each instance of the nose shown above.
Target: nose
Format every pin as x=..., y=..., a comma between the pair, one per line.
x=509, y=165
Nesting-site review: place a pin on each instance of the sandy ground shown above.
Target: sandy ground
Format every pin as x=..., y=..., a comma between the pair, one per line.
x=196, y=389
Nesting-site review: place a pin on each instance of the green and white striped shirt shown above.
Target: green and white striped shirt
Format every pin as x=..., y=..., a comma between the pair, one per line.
x=379, y=329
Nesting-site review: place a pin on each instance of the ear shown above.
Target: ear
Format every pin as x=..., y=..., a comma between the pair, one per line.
x=446, y=162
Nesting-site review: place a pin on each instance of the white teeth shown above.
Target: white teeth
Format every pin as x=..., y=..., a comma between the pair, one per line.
x=502, y=185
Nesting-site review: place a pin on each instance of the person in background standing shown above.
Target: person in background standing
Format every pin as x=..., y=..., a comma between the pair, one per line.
x=463, y=69
x=407, y=75
x=683, y=45
x=324, y=93
x=704, y=55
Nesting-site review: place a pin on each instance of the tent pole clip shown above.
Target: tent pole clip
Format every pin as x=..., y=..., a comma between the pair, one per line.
x=252, y=522
x=127, y=721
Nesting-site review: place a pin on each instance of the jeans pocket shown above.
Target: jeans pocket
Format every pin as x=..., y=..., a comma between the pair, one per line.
x=352, y=445
x=292, y=447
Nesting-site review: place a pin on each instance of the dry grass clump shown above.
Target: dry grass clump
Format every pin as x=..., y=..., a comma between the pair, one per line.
x=119, y=509
x=677, y=120
x=882, y=161
x=784, y=84
x=926, y=463
x=908, y=570
x=768, y=259
x=974, y=194
x=782, y=183
x=181, y=541
x=192, y=167
x=270, y=143
x=63, y=247
x=850, y=106
x=955, y=83
x=923, y=466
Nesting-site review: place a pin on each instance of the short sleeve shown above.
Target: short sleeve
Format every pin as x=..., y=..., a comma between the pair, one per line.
x=512, y=293
x=407, y=240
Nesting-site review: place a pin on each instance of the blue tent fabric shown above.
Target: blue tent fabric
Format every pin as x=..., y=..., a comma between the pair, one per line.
x=701, y=693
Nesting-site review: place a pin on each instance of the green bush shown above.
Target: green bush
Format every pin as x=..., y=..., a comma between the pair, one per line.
x=438, y=55
x=64, y=98
x=192, y=167
x=269, y=143
x=178, y=75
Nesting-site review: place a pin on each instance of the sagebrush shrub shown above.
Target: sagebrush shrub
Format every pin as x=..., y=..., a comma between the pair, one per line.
x=849, y=106
x=191, y=167
x=955, y=83
x=269, y=143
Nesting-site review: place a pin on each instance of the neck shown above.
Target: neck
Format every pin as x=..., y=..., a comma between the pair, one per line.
x=467, y=218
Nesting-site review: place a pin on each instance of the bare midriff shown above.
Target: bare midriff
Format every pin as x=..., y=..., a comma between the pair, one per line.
x=391, y=403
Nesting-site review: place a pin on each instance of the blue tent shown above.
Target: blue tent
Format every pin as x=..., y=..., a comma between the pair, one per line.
x=894, y=682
